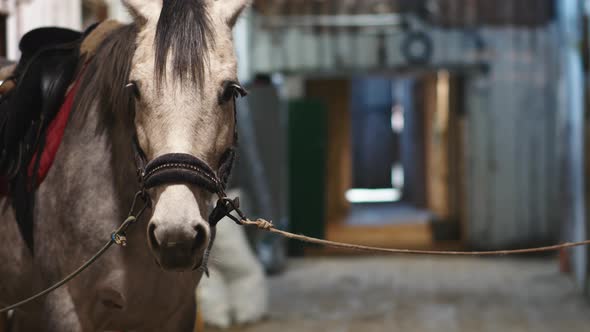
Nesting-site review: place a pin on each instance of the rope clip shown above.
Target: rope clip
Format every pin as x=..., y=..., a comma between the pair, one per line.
x=119, y=239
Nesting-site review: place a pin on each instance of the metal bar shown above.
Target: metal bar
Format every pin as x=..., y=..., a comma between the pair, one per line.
x=379, y=20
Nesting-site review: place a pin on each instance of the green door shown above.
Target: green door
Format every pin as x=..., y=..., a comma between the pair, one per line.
x=307, y=169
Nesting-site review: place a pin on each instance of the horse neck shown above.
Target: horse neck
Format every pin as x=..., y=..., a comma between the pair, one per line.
x=121, y=138
x=104, y=147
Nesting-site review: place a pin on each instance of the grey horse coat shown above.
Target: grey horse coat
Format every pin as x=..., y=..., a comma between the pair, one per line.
x=85, y=196
x=179, y=57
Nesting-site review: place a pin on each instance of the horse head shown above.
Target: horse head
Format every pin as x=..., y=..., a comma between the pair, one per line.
x=184, y=79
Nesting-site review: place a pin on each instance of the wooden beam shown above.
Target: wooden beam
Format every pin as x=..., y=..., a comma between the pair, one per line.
x=451, y=14
x=436, y=93
x=455, y=143
x=335, y=95
x=268, y=7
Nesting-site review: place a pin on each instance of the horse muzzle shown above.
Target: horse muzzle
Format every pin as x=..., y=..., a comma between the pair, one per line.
x=177, y=233
x=178, y=244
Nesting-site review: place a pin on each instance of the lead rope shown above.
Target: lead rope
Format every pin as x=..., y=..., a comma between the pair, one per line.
x=268, y=226
x=118, y=237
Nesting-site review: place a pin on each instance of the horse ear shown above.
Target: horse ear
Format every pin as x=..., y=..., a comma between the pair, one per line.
x=231, y=9
x=144, y=10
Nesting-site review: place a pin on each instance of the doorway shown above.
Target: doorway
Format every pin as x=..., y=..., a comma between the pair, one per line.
x=394, y=159
x=388, y=186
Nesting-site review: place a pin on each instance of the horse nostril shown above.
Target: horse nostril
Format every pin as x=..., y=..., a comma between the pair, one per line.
x=111, y=299
x=152, y=236
x=201, y=236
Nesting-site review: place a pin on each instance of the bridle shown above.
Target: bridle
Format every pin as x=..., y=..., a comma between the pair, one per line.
x=182, y=168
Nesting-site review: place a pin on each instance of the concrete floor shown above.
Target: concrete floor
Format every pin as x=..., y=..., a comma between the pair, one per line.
x=413, y=294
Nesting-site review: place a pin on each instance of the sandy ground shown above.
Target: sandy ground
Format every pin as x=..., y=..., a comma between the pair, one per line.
x=423, y=294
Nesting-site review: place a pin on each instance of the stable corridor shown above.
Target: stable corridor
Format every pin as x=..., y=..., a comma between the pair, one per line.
x=416, y=294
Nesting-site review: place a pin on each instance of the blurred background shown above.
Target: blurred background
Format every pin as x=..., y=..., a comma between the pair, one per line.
x=423, y=124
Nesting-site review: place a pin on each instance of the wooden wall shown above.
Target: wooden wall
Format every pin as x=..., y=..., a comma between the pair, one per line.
x=444, y=127
x=513, y=144
x=512, y=13
x=335, y=94
x=507, y=170
x=437, y=109
x=457, y=157
x=345, y=51
x=457, y=30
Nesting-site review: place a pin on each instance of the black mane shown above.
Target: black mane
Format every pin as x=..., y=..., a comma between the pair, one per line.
x=105, y=77
x=184, y=29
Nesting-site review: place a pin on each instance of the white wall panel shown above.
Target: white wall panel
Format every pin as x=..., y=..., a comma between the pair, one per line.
x=28, y=15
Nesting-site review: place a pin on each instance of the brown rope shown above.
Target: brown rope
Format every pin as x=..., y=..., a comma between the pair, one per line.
x=269, y=227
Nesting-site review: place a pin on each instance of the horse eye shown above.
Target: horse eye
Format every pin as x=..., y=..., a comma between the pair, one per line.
x=240, y=91
x=232, y=91
x=134, y=89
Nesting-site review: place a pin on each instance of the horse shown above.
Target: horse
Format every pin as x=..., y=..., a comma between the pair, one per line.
x=162, y=88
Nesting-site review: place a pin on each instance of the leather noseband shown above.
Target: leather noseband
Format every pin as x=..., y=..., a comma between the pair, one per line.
x=181, y=168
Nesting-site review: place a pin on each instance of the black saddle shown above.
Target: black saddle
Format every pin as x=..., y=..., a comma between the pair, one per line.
x=45, y=38
x=48, y=65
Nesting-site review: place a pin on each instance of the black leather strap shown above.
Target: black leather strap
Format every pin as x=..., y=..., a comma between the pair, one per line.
x=224, y=208
x=140, y=159
x=180, y=168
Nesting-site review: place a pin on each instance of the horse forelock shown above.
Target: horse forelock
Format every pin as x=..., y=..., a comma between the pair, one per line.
x=184, y=31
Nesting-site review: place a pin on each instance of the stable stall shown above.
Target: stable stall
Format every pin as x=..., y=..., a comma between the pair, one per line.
x=480, y=92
